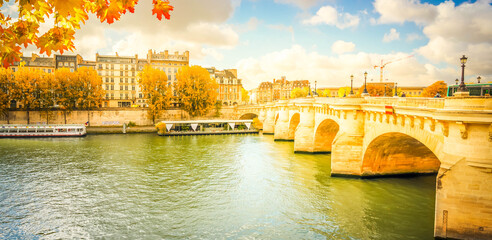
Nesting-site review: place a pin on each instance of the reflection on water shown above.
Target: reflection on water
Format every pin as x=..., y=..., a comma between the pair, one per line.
x=145, y=186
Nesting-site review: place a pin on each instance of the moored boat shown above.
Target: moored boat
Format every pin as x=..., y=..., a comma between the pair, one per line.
x=32, y=130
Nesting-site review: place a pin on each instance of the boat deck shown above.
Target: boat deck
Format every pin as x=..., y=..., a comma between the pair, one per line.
x=210, y=133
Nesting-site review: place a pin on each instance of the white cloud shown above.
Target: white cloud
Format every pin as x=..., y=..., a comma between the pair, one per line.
x=340, y=47
x=461, y=30
x=399, y=11
x=413, y=36
x=297, y=63
x=391, y=36
x=136, y=33
x=329, y=15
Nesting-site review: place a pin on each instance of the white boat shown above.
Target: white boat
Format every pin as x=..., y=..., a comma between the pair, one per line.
x=62, y=130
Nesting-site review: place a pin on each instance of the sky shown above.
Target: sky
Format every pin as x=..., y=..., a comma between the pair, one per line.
x=317, y=40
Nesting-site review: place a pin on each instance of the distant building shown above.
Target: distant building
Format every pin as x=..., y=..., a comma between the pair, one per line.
x=332, y=91
x=411, y=91
x=45, y=64
x=276, y=90
x=229, y=90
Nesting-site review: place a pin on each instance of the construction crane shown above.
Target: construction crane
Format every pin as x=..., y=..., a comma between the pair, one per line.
x=381, y=67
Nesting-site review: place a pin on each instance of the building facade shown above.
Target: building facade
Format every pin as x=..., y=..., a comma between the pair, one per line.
x=276, y=90
x=229, y=90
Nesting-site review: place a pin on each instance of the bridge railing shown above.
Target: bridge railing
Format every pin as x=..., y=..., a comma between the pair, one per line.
x=407, y=102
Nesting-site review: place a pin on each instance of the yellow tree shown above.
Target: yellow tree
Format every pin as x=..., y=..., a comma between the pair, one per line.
x=90, y=94
x=44, y=89
x=299, y=92
x=66, y=90
x=22, y=28
x=323, y=93
x=438, y=87
x=153, y=83
x=343, y=91
x=6, y=86
x=26, y=89
x=196, y=91
x=244, y=96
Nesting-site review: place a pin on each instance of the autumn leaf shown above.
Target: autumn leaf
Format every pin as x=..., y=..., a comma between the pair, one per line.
x=56, y=39
x=162, y=7
x=67, y=7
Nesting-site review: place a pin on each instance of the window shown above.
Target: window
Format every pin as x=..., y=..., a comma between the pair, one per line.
x=112, y=95
x=112, y=87
x=126, y=96
x=121, y=73
x=133, y=80
x=133, y=87
x=140, y=95
x=112, y=79
x=71, y=64
x=126, y=87
x=49, y=70
x=121, y=87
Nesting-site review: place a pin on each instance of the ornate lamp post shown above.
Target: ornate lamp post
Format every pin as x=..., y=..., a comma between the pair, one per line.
x=396, y=89
x=315, y=92
x=462, y=87
x=385, y=90
x=457, y=81
x=478, y=79
x=351, y=83
x=309, y=91
x=365, y=83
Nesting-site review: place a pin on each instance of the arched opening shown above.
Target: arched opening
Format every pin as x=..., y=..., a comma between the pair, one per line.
x=294, y=121
x=248, y=116
x=225, y=104
x=276, y=118
x=325, y=134
x=398, y=153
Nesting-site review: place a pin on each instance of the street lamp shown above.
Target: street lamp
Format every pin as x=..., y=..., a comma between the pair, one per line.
x=456, y=81
x=351, y=82
x=478, y=79
x=385, y=90
x=365, y=82
x=462, y=87
x=315, y=92
x=309, y=91
x=396, y=89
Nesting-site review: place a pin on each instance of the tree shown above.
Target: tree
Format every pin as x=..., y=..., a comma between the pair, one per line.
x=153, y=83
x=324, y=93
x=66, y=90
x=23, y=30
x=26, y=89
x=244, y=96
x=377, y=90
x=343, y=91
x=438, y=87
x=299, y=92
x=6, y=85
x=91, y=92
x=196, y=91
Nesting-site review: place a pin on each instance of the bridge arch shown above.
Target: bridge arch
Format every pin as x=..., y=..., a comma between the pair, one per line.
x=325, y=134
x=394, y=153
x=248, y=116
x=293, y=123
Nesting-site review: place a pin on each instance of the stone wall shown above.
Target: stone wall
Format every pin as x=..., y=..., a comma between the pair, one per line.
x=106, y=116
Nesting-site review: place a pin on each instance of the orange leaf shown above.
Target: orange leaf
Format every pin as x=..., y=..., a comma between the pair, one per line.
x=67, y=7
x=162, y=7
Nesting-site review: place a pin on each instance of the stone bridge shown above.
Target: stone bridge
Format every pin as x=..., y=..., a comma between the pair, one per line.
x=370, y=137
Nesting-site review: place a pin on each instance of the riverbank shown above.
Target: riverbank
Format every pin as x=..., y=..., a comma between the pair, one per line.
x=119, y=129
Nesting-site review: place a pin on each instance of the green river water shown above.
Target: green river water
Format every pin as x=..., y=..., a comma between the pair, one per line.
x=198, y=187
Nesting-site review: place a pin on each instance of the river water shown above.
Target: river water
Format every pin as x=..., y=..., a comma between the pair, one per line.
x=227, y=187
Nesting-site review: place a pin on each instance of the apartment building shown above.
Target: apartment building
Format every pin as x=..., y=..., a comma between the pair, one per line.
x=229, y=90
x=276, y=90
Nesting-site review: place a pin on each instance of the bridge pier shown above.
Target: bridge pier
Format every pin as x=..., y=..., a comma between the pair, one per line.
x=304, y=135
x=347, y=148
x=269, y=123
x=464, y=183
x=282, y=124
